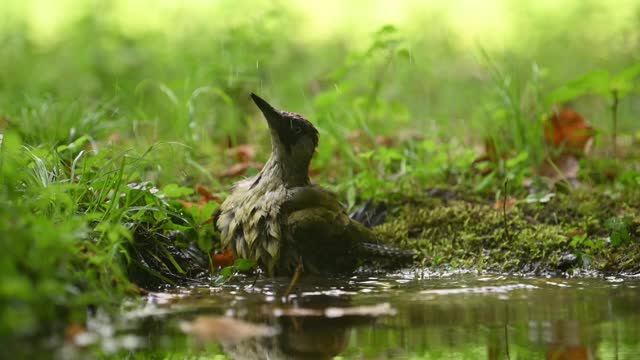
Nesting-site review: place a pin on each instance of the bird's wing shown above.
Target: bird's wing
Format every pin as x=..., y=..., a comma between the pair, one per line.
x=310, y=197
x=317, y=236
x=320, y=232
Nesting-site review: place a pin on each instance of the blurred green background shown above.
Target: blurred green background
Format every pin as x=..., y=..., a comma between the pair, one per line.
x=153, y=71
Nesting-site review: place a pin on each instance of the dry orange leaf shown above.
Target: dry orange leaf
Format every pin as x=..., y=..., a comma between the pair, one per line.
x=206, y=194
x=223, y=259
x=355, y=136
x=568, y=129
x=188, y=204
x=313, y=172
x=115, y=137
x=243, y=153
x=385, y=141
x=73, y=330
x=508, y=204
x=575, y=233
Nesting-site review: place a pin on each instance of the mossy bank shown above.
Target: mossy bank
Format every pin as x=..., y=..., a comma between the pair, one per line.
x=588, y=229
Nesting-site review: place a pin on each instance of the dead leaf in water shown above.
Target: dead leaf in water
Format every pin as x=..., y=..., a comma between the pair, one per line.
x=224, y=329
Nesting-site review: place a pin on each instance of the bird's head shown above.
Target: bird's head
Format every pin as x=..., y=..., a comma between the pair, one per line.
x=293, y=139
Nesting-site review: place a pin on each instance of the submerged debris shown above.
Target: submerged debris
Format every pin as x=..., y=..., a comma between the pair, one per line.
x=224, y=329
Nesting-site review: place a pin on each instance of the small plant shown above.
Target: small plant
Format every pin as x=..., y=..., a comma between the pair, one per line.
x=620, y=230
x=239, y=266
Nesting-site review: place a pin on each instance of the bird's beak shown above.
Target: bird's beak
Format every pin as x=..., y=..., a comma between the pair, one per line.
x=274, y=119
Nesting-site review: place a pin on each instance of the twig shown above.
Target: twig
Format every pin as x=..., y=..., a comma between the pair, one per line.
x=294, y=279
x=614, y=120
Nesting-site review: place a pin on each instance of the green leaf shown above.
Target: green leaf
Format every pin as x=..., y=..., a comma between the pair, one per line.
x=227, y=271
x=429, y=145
x=595, y=81
x=244, y=264
x=404, y=53
x=520, y=158
x=624, y=81
x=620, y=233
x=387, y=29
x=486, y=183
x=207, y=210
x=351, y=196
x=578, y=240
x=366, y=155
x=78, y=144
x=11, y=142
x=175, y=191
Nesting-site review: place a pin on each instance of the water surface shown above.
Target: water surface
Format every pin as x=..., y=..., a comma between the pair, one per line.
x=402, y=315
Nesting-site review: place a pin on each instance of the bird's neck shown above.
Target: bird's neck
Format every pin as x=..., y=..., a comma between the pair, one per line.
x=290, y=173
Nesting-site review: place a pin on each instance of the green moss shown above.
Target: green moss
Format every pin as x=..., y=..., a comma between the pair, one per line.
x=463, y=231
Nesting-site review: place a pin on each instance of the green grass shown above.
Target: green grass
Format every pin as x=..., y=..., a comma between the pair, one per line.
x=94, y=106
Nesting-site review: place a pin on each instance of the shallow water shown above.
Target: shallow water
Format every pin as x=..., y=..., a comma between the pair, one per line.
x=401, y=315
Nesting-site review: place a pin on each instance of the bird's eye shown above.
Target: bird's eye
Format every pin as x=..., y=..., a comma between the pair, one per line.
x=297, y=129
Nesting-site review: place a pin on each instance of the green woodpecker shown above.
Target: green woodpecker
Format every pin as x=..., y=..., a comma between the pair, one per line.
x=278, y=218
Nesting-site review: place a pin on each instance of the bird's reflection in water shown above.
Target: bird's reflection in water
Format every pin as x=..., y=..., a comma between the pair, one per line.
x=564, y=341
x=306, y=332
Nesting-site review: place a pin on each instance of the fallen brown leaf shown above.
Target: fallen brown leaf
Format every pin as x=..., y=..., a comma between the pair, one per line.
x=73, y=330
x=223, y=259
x=568, y=130
x=409, y=135
x=243, y=153
x=188, y=204
x=575, y=233
x=313, y=172
x=115, y=137
x=206, y=194
x=385, y=141
x=355, y=136
x=508, y=204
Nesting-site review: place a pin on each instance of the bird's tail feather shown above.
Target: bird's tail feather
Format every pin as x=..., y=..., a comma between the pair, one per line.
x=370, y=214
x=383, y=250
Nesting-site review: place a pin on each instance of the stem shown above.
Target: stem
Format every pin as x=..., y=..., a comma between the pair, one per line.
x=504, y=210
x=375, y=91
x=614, y=120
